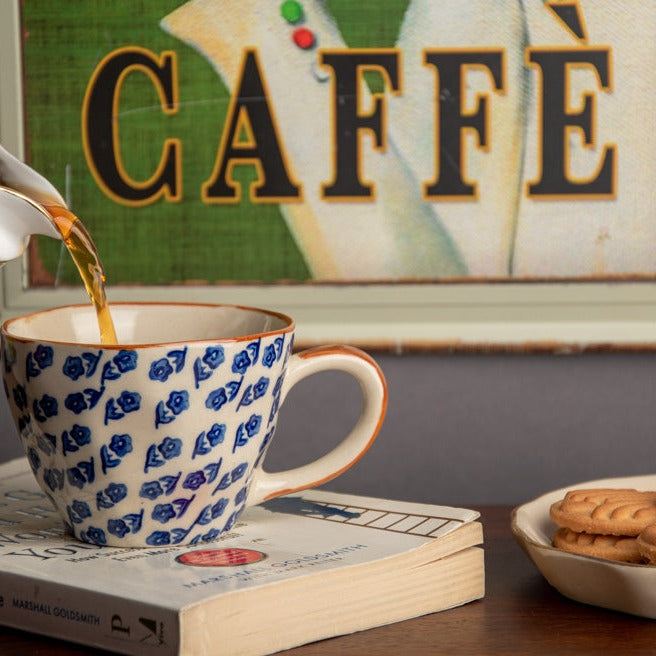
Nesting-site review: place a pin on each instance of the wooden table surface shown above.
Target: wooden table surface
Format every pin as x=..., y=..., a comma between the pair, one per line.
x=520, y=614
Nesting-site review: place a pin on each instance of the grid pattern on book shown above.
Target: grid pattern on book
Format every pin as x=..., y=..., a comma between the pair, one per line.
x=415, y=524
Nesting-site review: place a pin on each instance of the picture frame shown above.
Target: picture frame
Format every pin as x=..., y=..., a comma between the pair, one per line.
x=569, y=312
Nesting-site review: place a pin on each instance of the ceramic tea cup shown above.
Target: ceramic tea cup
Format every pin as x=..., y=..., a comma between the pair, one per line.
x=160, y=439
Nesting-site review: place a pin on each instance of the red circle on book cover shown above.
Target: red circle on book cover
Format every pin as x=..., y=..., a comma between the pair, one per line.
x=221, y=557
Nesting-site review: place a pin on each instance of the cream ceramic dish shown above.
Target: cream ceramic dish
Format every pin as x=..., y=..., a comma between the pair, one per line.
x=618, y=586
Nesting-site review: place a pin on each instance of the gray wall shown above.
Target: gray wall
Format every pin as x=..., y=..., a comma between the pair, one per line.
x=471, y=428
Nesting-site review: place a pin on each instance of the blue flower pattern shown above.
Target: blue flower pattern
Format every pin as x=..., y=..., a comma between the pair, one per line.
x=125, y=361
x=121, y=444
x=160, y=370
x=168, y=448
x=76, y=402
x=164, y=367
x=241, y=362
x=206, y=441
x=34, y=459
x=167, y=411
x=178, y=402
x=20, y=397
x=44, y=408
x=194, y=480
x=269, y=356
x=65, y=455
x=43, y=356
x=76, y=437
x=216, y=399
x=73, y=367
x=78, y=511
x=214, y=356
x=162, y=512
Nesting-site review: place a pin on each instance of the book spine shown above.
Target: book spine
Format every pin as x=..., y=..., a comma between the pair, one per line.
x=91, y=618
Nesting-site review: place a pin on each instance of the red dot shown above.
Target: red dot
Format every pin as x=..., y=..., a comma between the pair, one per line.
x=303, y=38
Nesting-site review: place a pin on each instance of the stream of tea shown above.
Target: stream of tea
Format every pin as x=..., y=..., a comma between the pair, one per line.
x=85, y=255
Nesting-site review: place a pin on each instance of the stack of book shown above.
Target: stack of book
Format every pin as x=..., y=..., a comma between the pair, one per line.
x=294, y=570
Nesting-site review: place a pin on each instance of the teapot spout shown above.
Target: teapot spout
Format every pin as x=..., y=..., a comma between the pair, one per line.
x=19, y=176
x=23, y=192
x=21, y=217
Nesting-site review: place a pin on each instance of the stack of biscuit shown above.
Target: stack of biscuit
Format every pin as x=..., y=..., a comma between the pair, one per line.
x=617, y=524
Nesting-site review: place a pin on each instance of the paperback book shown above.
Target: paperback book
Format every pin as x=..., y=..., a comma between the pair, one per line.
x=291, y=571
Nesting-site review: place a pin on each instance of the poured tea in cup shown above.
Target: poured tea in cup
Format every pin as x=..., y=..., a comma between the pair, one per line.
x=87, y=261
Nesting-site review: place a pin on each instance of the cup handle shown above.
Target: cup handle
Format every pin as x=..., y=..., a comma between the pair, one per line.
x=364, y=369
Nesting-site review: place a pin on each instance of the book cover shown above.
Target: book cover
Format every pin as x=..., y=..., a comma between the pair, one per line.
x=291, y=571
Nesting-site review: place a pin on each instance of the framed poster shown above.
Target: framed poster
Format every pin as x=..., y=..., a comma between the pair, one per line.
x=395, y=173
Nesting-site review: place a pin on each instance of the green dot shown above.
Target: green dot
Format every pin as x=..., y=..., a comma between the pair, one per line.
x=291, y=11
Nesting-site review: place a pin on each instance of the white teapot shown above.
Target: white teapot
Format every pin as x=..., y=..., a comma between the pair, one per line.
x=23, y=194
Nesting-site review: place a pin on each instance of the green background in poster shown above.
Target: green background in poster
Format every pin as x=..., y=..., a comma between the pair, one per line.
x=162, y=243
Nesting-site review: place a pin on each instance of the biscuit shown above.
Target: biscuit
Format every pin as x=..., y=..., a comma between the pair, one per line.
x=605, y=511
x=646, y=542
x=612, y=547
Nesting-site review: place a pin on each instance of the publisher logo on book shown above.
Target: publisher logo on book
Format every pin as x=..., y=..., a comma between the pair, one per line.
x=148, y=631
